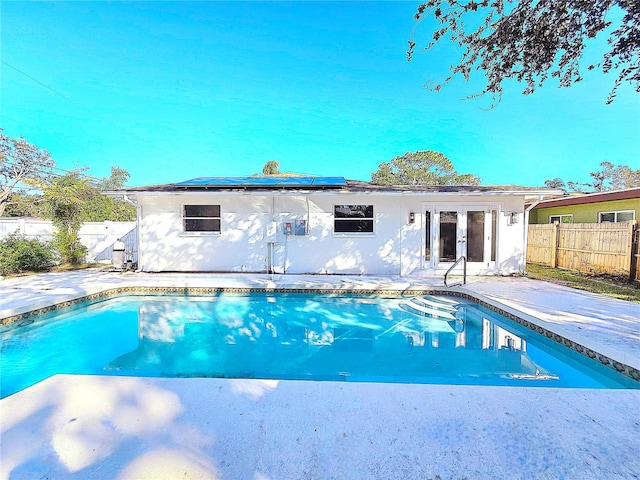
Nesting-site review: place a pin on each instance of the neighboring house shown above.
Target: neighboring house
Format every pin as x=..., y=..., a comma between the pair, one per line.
x=329, y=225
x=614, y=206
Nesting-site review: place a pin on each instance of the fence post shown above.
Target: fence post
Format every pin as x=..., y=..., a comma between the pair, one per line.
x=635, y=251
x=554, y=245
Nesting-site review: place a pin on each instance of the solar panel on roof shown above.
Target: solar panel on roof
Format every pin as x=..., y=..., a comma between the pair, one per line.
x=209, y=181
x=296, y=181
x=262, y=181
x=226, y=181
x=329, y=181
x=195, y=181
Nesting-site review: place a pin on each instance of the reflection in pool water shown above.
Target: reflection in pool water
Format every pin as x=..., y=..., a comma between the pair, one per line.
x=295, y=336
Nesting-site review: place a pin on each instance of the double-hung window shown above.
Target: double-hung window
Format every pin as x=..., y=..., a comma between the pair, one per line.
x=353, y=218
x=201, y=218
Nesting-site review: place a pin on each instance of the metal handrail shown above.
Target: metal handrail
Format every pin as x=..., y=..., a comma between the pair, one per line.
x=464, y=271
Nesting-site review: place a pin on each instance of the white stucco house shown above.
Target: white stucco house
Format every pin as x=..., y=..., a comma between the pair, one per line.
x=329, y=225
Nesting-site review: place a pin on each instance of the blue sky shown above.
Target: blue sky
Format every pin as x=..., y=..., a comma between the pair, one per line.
x=176, y=90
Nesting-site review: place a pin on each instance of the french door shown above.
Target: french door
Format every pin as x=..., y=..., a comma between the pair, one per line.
x=455, y=231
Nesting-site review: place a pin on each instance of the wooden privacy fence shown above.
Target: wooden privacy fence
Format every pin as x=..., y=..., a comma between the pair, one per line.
x=635, y=255
x=587, y=247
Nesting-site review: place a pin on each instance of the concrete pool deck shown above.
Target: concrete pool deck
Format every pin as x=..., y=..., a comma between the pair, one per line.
x=77, y=427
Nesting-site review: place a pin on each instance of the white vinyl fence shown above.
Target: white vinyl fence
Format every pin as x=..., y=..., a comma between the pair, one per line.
x=98, y=237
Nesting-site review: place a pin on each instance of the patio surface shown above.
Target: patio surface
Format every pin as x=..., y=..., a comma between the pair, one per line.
x=99, y=427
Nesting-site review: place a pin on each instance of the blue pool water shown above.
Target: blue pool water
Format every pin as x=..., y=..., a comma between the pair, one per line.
x=293, y=336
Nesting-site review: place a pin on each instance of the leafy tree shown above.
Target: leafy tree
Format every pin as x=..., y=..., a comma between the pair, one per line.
x=555, y=183
x=619, y=176
x=530, y=40
x=115, y=181
x=22, y=204
x=21, y=161
x=74, y=198
x=95, y=208
x=609, y=177
x=66, y=196
x=272, y=167
x=100, y=207
x=421, y=168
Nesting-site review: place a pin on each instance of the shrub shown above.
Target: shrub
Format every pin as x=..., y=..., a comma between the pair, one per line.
x=68, y=246
x=19, y=254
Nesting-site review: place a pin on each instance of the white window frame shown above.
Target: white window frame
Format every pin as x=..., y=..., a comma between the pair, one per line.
x=360, y=234
x=184, y=218
x=615, y=213
x=560, y=217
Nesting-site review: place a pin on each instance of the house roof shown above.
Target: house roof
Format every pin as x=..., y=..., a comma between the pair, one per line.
x=265, y=181
x=626, y=194
x=335, y=184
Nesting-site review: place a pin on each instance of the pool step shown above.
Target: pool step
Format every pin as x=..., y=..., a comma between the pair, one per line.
x=436, y=303
x=445, y=300
x=438, y=313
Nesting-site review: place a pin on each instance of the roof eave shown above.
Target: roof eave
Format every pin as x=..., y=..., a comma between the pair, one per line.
x=529, y=195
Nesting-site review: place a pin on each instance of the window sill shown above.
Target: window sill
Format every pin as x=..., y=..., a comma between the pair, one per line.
x=354, y=235
x=199, y=234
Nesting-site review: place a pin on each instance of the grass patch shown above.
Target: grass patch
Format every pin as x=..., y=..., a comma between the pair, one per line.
x=610, y=285
x=65, y=267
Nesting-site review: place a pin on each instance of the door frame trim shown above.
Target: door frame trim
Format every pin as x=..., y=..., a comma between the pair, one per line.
x=434, y=262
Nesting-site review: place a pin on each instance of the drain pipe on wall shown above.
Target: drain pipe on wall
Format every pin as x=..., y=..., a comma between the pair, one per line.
x=526, y=228
x=271, y=242
x=138, y=218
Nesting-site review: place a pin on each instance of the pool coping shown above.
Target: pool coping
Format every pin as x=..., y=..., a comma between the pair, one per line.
x=612, y=359
x=106, y=427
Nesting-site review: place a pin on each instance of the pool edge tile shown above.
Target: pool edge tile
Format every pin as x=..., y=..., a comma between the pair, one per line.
x=607, y=356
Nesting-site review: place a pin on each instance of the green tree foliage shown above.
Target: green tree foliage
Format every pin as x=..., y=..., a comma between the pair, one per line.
x=609, y=177
x=24, y=162
x=20, y=162
x=421, y=168
x=530, y=40
x=272, y=167
x=65, y=197
x=18, y=254
x=21, y=204
x=615, y=177
x=73, y=199
x=95, y=208
x=99, y=208
x=555, y=183
x=115, y=181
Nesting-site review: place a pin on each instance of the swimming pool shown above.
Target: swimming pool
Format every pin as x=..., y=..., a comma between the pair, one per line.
x=294, y=336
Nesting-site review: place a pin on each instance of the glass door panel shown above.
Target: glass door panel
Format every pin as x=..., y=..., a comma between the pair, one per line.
x=448, y=236
x=457, y=231
x=427, y=238
x=494, y=238
x=475, y=236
